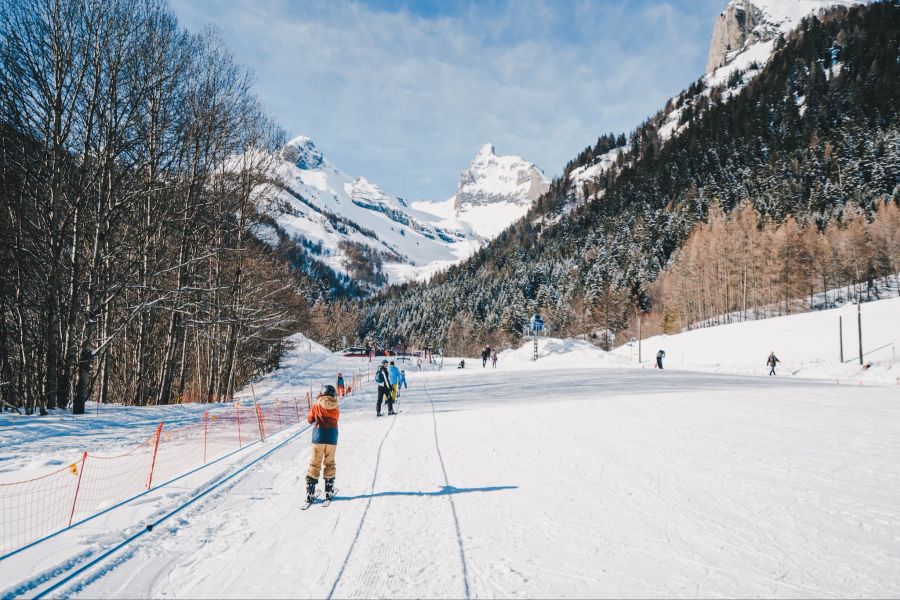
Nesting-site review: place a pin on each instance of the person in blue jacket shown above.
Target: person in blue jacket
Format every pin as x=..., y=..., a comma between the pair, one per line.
x=395, y=380
x=402, y=383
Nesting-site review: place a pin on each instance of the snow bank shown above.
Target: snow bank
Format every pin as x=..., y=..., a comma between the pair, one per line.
x=559, y=354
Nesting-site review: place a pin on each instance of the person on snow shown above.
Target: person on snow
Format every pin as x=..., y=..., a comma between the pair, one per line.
x=383, y=379
x=340, y=385
x=484, y=356
x=402, y=383
x=395, y=380
x=324, y=414
x=659, y=358
x=494, y=358
x=772, y=362
x=462, y=364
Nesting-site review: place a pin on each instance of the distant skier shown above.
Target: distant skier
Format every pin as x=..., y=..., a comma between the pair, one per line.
x=494, y=358
x=484, y=356
x=340, y=385
x=462, y=364
x=383, y=379
x=772, y=362
x=659, y=358
x=402, y=383
x=325, y=414
x=395, y=380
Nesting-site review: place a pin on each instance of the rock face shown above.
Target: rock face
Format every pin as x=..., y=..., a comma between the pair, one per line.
x=491, y=179
x=302, y=152
x=735, y=26
x=745, y=22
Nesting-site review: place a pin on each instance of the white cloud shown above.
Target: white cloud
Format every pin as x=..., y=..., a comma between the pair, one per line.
x=407, y=101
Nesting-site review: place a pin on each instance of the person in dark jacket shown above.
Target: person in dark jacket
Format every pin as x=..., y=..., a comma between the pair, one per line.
x=385, y=390
x=772, y=362
x=324, y=414
x=484, y=356
x=659, y=358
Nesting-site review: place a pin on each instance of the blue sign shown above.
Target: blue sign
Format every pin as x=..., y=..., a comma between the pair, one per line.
x=537, y=324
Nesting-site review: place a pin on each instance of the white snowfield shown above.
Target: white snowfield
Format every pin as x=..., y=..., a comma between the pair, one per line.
x=807, y=344
x=545, y=479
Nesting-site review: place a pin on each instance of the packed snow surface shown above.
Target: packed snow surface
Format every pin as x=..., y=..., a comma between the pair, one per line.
x=547, y=479
x=808, y=345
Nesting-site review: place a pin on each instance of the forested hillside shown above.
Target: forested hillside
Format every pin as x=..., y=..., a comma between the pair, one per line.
x=129, y=267
x=815, y=136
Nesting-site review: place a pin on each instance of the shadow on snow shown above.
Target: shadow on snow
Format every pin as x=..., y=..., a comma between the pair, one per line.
x=445, y=490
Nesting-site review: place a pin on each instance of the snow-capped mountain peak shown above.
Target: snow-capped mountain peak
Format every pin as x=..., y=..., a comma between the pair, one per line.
x=360, y=232
x=491, y=179
x=302, y=151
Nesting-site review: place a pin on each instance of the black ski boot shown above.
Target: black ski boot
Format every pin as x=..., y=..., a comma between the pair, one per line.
x=310, y=488
x=329, y=488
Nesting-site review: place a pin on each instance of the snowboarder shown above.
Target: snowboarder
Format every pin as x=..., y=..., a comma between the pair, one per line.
x=462, y=364
x=325, y=414
x=340, y=385
x=494, y=358
x=402, y=383
x=383, y=379
x=659, y=358
x=772, y=362
x=395, y=380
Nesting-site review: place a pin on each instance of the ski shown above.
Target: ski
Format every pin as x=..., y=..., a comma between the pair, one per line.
x=310, y=503
x=327, y=501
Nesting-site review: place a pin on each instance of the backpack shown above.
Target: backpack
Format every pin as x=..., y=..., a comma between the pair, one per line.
x=379, y=376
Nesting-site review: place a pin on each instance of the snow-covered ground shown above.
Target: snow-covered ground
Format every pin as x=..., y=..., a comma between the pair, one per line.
x=808, y=345
x=531, y=480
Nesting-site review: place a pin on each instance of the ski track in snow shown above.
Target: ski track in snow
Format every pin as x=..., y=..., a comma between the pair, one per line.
x=568, y=482
x=437, y=447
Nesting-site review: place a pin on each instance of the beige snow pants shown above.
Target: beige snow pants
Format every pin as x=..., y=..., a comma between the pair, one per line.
x=322, y=452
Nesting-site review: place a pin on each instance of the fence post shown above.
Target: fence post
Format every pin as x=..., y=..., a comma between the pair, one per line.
x=308, y=405
x=205, y=432
x=296, y=409
x=262, y=430
x=77, y=487
x=237, y=410
x=155, y=450
x=278, y=409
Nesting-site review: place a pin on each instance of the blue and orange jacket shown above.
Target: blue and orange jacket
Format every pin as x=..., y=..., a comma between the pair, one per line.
x=325, y=415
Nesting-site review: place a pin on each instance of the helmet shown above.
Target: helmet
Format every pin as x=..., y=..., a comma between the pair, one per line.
x=329, y=391
x=384, y=362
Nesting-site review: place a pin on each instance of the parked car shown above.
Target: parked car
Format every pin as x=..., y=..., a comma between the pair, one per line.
x=355, y=351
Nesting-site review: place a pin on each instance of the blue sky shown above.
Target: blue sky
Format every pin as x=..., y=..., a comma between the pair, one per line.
x=405, y=93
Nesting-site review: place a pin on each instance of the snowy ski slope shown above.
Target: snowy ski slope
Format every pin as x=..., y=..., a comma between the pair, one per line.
x=530, y=480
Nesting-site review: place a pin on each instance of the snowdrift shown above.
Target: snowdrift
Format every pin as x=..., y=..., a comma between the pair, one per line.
x=559, y=353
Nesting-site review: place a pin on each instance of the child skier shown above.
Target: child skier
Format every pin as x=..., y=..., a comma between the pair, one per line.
x=402, y=383
x=340, y=386
x=395, y=380
x=324, y=414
